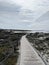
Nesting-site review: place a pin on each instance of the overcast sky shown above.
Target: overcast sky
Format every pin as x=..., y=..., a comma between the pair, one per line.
x=23, y=14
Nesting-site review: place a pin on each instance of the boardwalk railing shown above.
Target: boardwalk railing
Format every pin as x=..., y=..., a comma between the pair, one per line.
x=41, y=56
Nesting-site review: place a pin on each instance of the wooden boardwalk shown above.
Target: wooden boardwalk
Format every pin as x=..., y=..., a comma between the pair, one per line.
x=28, y=55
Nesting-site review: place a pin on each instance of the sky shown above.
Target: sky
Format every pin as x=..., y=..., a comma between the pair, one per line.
x=24, y=14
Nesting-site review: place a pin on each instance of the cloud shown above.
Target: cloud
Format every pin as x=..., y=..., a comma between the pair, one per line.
x=44, y=17
x=12, y=12
x=11, y=16
x=42, y=23
x=7, y=7
x=18, y=25
x=23, y=13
